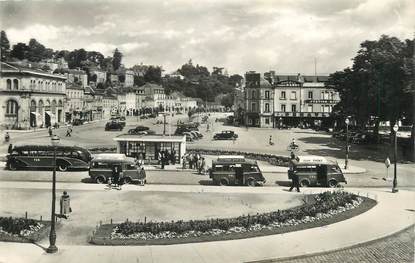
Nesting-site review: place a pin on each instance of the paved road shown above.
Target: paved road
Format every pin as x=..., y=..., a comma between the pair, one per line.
x=397, y=248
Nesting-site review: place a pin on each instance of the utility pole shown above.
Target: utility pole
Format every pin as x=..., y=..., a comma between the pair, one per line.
x=164, y=124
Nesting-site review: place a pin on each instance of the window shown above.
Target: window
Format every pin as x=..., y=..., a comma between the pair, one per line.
x=253, y=106
x=253, y=94
x=266, y=120
x=267, y=94
x=293, y=95
x=9, y=84
x=310, y=108
x=11, y=108
x=266, y=107
x=15, y=84
x=310, y=95
x=282, y=95
x=283, y=108
x=293, y=108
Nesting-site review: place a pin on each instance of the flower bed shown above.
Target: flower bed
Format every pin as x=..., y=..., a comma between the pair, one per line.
x=21, y=229
x=319, y=211
x=270, y=158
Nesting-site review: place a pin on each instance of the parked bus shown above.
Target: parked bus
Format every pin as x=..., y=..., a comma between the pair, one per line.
x=316, y=171
x=41, y=156
x=236, y=171
x=102, y=164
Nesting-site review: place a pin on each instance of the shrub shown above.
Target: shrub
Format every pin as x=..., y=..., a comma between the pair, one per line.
x=16, y=225
x=324, y=202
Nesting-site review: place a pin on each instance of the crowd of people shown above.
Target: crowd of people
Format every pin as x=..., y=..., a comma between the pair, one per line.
x=194, y=161
x=167, y=157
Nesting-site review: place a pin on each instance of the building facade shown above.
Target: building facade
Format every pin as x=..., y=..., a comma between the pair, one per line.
x=30, y=97
x=75, y=102
x=287, y=100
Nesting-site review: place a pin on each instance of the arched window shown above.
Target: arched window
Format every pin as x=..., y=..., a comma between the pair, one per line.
x=11, y=108
x=53, y=107
x=60, y=104
x=40, y=107
x=9, y=84
x=15, y=84
x=33, y=106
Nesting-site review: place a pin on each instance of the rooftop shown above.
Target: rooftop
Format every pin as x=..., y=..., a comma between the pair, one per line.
x=150, y=138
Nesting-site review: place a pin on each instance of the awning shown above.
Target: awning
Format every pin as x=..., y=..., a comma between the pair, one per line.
x=50, y=114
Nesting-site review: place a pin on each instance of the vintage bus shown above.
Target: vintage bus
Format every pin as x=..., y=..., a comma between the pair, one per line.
x=316, y=171
x=235, y=170
x=41, y=156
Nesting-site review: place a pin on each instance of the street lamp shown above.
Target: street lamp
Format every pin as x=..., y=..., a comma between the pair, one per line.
x=395, y=183
x=347, y=144
x=52, y=235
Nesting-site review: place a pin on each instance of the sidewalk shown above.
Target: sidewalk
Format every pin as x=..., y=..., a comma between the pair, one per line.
x=393, y=213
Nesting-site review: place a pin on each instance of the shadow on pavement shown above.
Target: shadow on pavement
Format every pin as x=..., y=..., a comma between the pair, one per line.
x=283, y=183
x=87, y=180
x=206, y=182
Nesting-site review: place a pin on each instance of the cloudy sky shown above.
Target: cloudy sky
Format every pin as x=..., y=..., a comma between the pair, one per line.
x=283, y=35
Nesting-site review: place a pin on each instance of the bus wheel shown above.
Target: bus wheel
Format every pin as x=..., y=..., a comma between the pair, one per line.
x=332, y=183
x=100, y=180
x=251, y=182
x=304, y=183
x=62, y=167
x=127, y=180
x=223, y=182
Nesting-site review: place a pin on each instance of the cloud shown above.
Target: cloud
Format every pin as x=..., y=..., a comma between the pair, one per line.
x=283, y=35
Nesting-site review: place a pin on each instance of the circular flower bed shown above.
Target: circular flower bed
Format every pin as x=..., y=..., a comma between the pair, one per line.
x=320, y=206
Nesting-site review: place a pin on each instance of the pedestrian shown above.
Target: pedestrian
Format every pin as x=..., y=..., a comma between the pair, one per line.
x=199, y=166
x=10, y=149
x=195, y=161
x=68, y=131
x=115, y=174
x=7, y=137
x=173, y=157
x=143, y=176
x=159, y=156
x=50, y=131
x=65, y=205
x=120, y=177
x=184, y=160
x=292, y=156
x=189, y=160
x=295, y=182
x=202, y=165
x=162, y=159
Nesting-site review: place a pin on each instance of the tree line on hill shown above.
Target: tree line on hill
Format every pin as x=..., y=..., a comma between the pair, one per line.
x=197, y=81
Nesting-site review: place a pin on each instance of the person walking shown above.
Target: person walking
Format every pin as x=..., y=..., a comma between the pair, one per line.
x=162, y=160
x=143, y=176
x=116, y=174
x=65, y=205
x=68, y=131
x=7, y=137
x=202, y=167
x=50, y=131
x=10, y=149
x=295, y=182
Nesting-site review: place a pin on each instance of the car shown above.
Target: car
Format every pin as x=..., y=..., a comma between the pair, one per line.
x=225, y=135
x=192, y=135
x=143, y=117
x=138, y=129
x=77, y=122
x=119, y=119
x=197, y=134
x=113, y=126
x=153, y=115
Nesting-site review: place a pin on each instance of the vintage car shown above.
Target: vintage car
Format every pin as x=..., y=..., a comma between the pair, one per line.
x=225, y=135
x=114, y=126
x=138, y=130
x=77, y=122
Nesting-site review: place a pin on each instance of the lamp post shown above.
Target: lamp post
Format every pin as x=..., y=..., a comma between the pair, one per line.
x=346, y=162
x=52, y=235
x=395, y=154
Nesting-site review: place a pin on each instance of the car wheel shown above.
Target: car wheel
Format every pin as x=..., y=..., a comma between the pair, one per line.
x=223, y=182
x=332, y=183
x=12, y=166
x=100, y=180
x=251, y=182
x=304, y=183
x=62, y=167
x=127, y=180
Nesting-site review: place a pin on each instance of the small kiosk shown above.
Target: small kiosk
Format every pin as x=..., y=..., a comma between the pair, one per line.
x=147, y=147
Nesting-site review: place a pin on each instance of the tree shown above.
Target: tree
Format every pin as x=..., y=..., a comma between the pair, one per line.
x=76, y=57
x=116, y=59
x=19, y=51
x=153, y=74
x=227, y=100
x=139, y=81
x=4, y=46
x=36, y=51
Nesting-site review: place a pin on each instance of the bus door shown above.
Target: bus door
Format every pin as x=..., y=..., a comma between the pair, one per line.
x=322, y=174
x=239, y=174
